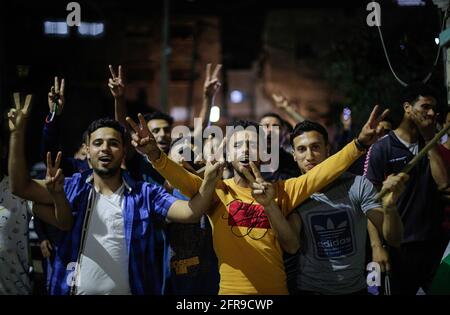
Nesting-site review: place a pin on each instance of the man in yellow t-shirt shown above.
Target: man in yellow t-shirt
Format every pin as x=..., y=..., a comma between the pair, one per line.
x=250, y=258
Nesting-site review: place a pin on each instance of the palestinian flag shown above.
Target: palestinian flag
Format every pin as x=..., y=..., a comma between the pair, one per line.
x=441, y=282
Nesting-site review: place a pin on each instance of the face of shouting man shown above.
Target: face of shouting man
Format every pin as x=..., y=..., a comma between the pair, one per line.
x=243, y=148
x=106, y=151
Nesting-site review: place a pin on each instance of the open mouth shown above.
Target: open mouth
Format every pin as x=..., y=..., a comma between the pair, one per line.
x=105, y=159
x=245, y=161
x=163, y=144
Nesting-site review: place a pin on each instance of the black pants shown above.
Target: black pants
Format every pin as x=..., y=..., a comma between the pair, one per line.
x=414, y=266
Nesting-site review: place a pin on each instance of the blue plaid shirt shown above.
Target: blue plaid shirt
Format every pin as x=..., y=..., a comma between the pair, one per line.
x=145, y=205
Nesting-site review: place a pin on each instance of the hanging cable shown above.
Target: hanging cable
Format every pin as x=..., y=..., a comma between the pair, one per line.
x=428, y=76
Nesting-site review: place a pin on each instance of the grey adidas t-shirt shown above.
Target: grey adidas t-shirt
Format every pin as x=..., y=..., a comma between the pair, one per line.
x=333, y=239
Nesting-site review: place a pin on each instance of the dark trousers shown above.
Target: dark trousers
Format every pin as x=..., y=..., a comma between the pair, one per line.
x=414, y=265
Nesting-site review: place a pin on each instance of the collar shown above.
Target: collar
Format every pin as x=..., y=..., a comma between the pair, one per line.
x=130, y=185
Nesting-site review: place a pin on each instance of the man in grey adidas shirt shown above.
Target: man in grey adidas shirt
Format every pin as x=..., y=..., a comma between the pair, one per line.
x=331, y=227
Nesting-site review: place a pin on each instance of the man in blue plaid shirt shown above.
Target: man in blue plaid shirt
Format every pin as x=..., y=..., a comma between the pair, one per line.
x=108, y=241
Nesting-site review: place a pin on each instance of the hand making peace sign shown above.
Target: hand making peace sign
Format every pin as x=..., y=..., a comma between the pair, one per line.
x=56, y=99
x=117, y=82
x=18, y=115
x=54, y=179
x=262, y=191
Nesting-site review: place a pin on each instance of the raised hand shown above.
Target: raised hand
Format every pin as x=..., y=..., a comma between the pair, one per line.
x=394, y=185
x=117, y=82
x=425, y=124
x=54, y=179
x=56, y=99
x=212, y=83
x=213, y=171
x=262, y=191
x=142, y=139
x=371, y=131
x=19, y=114
x=280, y=101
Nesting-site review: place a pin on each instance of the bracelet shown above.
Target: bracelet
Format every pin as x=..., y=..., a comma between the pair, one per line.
x=361, y=146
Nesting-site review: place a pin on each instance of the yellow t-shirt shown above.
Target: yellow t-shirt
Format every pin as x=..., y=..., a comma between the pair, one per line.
x=250, y=257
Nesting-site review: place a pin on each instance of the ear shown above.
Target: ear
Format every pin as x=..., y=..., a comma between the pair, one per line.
x=407, y=107
x=293, y=155
x=328, y=150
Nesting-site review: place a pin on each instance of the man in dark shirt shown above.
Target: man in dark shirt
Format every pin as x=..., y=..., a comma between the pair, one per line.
x=160, y=125
x=274, y=126
x=415, y=263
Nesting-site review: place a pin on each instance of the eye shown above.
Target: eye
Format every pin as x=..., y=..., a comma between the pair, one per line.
x=114, y=143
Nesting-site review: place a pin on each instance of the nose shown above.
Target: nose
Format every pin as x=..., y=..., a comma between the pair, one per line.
x=431, y=112
x=309, y=155
x=105, y=146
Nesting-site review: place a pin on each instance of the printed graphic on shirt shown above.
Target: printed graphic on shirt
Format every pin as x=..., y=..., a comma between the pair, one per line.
x=332, y=234
x=249, y=215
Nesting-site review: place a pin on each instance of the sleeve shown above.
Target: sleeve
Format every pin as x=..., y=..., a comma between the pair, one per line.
x=50, y=143
x=294, y=191
x=70, y=189
x=49, y=140
x=375, y=164
x=177, y=176
x=364, y=194
x=159, y=200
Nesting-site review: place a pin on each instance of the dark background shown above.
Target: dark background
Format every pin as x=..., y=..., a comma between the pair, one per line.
x=409, y=34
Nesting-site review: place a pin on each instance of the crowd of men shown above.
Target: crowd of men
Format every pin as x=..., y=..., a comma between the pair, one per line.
x=138, y=210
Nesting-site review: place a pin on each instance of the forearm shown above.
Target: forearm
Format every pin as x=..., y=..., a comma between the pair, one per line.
x=17, y=166
x=120, y=110
x=188, y=183
x=392, y=226
x=374, y=236
x=63, y=212
x=50, y=141
x=294, y=115
x=203, y=199
x=439, y=169
x=300, y=188
x=204, y=117
x=289, y=241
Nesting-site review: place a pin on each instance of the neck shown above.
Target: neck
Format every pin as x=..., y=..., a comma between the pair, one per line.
x=107, y=185
x=407, y=131
x=240, y=180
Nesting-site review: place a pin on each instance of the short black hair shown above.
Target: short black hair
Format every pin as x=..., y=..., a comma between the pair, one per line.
x=275, y=115
x=107, y=123
x=158, y=115
x=414, y=90
x=306, y=126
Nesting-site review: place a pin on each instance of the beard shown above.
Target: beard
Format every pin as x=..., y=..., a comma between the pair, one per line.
x=107, y=172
